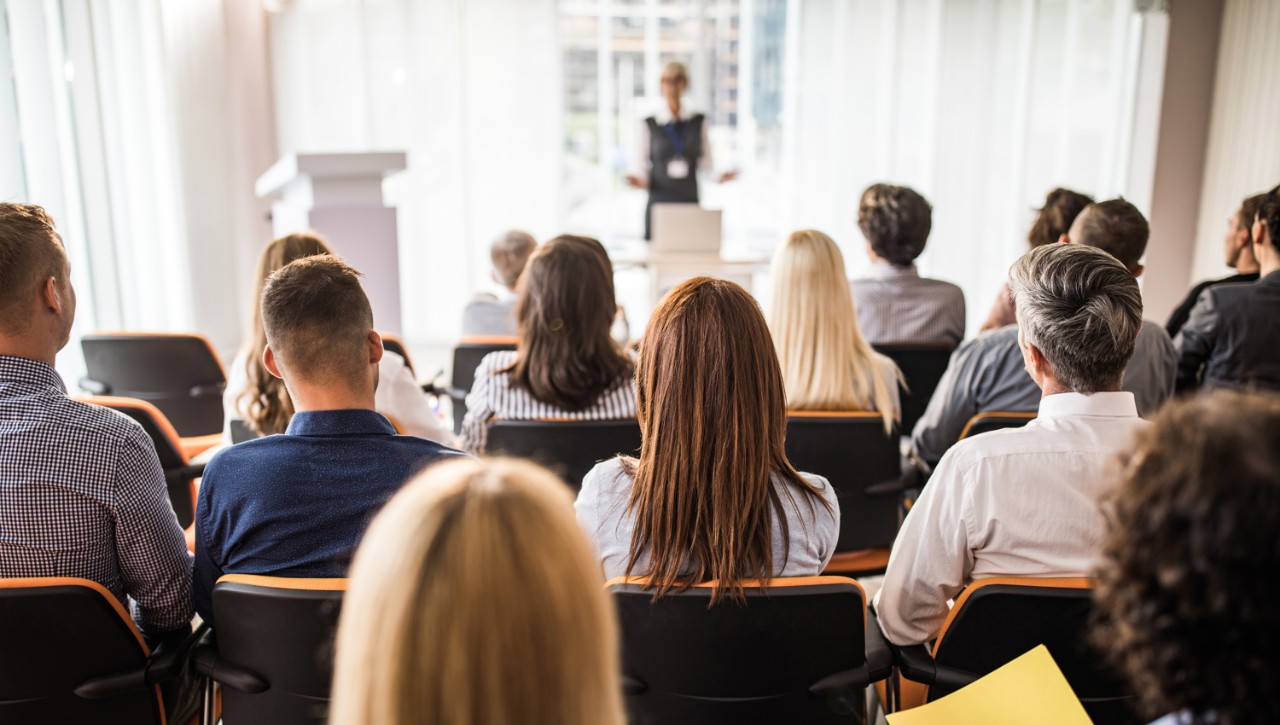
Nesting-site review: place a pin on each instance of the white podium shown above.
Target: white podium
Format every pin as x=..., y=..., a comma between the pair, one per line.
x=340, y=196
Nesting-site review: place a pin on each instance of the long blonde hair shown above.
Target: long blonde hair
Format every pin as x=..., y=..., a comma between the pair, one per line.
x=826, y=363
x=476, y=599
x=265, y=403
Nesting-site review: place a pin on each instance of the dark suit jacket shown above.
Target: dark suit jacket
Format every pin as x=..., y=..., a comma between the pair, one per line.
x=1232, y=338
x=1180, y=315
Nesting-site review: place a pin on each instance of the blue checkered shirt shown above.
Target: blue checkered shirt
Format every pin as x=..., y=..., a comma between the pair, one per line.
x=82, y=495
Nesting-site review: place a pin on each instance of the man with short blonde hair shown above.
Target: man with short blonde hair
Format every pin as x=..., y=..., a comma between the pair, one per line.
x=490, y=315
x=82, y=493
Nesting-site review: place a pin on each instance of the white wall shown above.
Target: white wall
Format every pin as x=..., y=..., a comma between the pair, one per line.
x=1243, y=156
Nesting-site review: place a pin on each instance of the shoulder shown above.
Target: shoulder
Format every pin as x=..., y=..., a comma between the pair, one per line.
x=1154, y=334
x=607, y=477
x=988, y=345
x=942, y=287
x=97, y=422
x=497, y=361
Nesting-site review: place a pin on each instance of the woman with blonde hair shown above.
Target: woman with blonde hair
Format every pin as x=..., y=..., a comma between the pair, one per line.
x=475, y=599
x=712, y=495
x=826, y=363
x=259, y=399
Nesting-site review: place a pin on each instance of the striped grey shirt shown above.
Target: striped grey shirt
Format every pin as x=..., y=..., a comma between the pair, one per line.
x=493, y=396
x=896, y=306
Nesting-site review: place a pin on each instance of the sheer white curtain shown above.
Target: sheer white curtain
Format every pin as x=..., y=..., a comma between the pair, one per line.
x=981, y=105
x=470, y=89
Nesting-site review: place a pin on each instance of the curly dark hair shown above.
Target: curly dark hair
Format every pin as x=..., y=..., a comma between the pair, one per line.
x=1187, y=588
x=1061, y=207
x=896, y=221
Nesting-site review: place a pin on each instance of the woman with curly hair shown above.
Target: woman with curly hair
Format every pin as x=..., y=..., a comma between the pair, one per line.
x=1187, y=587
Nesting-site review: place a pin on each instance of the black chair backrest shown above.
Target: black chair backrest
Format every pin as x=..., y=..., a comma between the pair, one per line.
x=862, y=462
x=683, y=662
x=570, y=448
x=391, y=343
x=998, y=622
x=178, y=475
x=179, y=374
x=283, y=631
x=922, y=367
x=995, y=420
x=57, y=633
x=466, y=358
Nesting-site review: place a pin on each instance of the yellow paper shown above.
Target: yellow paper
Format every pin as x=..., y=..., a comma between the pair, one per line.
x=1030, y=689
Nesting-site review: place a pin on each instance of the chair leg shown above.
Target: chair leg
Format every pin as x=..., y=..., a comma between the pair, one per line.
x=208, y=715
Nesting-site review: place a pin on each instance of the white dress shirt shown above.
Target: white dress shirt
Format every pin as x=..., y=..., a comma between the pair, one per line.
x=1017, y=502
x=397, y=397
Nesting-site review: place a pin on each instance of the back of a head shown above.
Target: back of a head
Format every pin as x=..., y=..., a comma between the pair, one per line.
x=1061, y=207
x=265, y=402
x=713, y=422
x=565, y=355
x=1116, y=227
x=826, y=363
x=1249, y=209
x=317, y=320
x=1269, y=215
x=896, y=221
x=1082, y=308
x=509, y=254
x=1186, y=586
x=475, y=597
x=30, y=252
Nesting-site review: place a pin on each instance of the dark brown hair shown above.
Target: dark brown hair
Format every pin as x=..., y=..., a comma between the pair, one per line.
x=30, y=253
x=1116, y=227
x=318, y=319
x=1269, y=214
x=564, y=354
x=713, y=422
x=265, y=402
x=1187, y=585
x=1249, y=212
x=896, y=221
x=1061, y=207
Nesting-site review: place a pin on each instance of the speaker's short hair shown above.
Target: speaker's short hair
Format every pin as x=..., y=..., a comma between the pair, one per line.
x=317, y=319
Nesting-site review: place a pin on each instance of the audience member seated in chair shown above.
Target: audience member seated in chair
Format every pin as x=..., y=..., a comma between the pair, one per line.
x=1231, y=339
x=826, y=364
x=296, y=504
x=712, y=496
x=1238, y=248
x=565, y=364
x=1186, y=587
x=1024, y=501
x=261, y=400
x=987, y=373
x=475, y=598
x=1061, y=207
x=83, y=493
x=896, y=306
x=495, y=316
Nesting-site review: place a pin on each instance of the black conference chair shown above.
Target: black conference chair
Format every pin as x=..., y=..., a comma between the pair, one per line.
x=570, y=448
x=798, y=653
x=997, y=620
x=995, y=420
x=179, y=374
x=922, y=367
x=71, y=654
x=862, y=462
x=392, y=343
x=179, y=474
x=467, y=355
x=272, y=650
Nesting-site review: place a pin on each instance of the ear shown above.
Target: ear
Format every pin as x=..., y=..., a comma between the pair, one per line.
x=50, y=295
x=375, y=347
x=269, y=361
x=1064, y=239
x=1138, y=270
